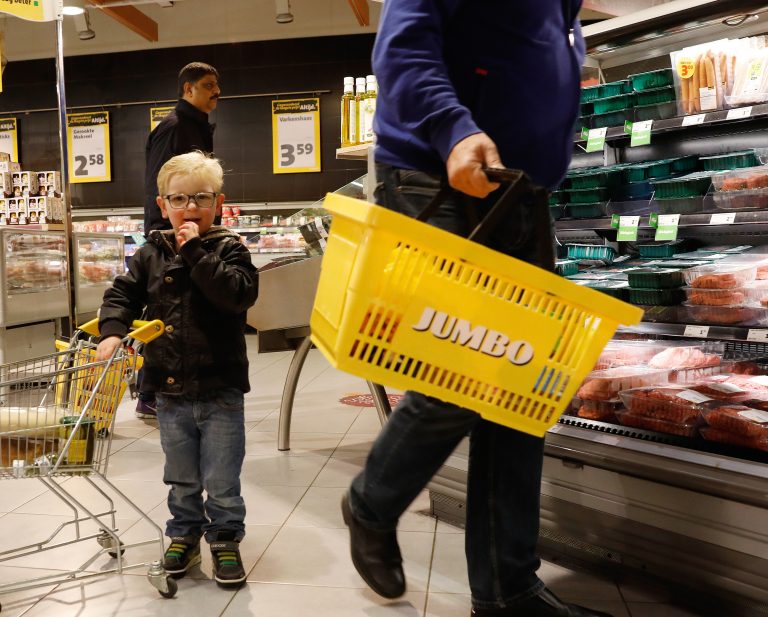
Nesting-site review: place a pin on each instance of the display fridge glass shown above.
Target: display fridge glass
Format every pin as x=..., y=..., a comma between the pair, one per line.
x=100, y=258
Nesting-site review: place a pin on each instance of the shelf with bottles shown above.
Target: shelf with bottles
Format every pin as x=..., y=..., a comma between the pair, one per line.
x=358, y=107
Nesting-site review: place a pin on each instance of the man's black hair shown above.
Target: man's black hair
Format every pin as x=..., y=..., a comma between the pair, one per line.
x=193, y=72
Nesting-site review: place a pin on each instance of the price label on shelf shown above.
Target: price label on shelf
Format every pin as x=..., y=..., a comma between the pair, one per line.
x=739, y=114
x=628, y=228
x=758, y=336
x=696, y=331
x=641, y=133
x=296, y=136
x=88, y=141
x=666, y=228
x=596, y=139
x=9, y=138
x=724, y=218
x=694, y=120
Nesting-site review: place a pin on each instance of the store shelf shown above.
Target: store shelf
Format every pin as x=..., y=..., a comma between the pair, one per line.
x=277, y=228
x=725, y=333
x=704, y=219
x=354, y=153
x=711, y=118
x=48, y=227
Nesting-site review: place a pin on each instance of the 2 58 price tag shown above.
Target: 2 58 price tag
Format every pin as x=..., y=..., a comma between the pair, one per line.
x=296, y=136
x=88, y=141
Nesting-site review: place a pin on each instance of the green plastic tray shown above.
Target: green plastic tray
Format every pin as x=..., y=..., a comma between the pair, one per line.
x=567, y=267
x=590, y=93
x=651, y=170
x=656, y=97
x=683, y=205
x=598, y=178
x=652, y=278
x=661, y=111
x=685, y=164
x=614, y=103
x=587, y=196
x=732, y=160
x=614, y=118
x=591, y=251
x=661, y=249
x=692, y=185
x=656, y=297
x=651, y=80
x=586, y=211
x=615, y=88
x=615, y=289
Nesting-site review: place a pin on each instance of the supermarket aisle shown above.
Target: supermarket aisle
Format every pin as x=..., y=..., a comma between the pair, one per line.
x=296, y=547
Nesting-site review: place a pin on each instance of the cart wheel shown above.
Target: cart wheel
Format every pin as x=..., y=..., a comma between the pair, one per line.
x=103, y=433
x=173, y=587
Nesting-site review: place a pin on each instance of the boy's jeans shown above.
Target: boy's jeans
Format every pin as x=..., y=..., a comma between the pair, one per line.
x=504, y=478
x=203, y=440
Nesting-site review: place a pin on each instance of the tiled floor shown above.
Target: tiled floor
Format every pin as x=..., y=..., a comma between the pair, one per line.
x=296, y=547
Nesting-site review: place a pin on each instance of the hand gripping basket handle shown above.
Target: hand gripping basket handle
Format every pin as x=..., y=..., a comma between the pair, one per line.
x=519, y=184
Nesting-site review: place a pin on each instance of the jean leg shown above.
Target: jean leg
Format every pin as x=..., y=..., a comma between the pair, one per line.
x=419, y=435
x=180, y=440
x=503, y=499
x=222, y=424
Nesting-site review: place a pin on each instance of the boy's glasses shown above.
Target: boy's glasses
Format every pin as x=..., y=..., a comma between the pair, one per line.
x=203, y=199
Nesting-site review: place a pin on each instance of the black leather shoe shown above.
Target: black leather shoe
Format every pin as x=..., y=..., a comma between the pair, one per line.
x=376, y=555
x=543, y=604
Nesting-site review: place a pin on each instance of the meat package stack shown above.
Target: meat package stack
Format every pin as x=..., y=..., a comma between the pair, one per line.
x=683, y=389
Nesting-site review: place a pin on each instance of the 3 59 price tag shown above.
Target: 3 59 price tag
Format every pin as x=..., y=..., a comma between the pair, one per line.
x=88, y=142
x=296, y=136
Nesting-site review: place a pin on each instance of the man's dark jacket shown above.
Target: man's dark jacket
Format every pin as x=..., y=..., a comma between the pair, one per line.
x=185, y=129
x=202, y=293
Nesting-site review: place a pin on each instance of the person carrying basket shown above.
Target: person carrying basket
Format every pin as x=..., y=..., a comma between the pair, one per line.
x=199, y=279
x=465, y=87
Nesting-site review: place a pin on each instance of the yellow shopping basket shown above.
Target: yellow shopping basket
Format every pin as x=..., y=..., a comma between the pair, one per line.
x=406, y=304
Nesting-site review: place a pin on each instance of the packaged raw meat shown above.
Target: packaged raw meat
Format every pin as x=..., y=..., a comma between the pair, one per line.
x=683, y=357
x=627, y=353
x=679, y=405
x=714, y=434
x=717, y=297
x=738, y=419
x=606, y=385
x=604, y=411
x=636, y=420
x=726, y=315
x=720, y=276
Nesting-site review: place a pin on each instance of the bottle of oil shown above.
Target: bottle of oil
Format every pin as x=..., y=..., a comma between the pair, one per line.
x=359, y=94
x=346, y=101
x=368, y=109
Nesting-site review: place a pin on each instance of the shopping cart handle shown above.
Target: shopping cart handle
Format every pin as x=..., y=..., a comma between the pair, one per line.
x=144, y=331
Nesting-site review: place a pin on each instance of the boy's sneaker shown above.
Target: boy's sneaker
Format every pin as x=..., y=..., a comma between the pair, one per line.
x=182, y=554
x=146, y=409
x=227, y=565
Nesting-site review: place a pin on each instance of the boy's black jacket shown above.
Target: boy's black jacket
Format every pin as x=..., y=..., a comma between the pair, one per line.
x=201, y=293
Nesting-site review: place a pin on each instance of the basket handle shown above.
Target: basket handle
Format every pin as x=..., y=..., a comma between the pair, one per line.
x=518, y=182
x=144, y=331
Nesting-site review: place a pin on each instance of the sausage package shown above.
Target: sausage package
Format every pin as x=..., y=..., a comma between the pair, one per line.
x=700, y=74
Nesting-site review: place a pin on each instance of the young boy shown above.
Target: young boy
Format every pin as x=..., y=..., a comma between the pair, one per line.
x=199, y=280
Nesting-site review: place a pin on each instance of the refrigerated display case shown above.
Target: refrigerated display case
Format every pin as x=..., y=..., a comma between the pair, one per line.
x=100, y=257
x=33, y=291
x=683, y=510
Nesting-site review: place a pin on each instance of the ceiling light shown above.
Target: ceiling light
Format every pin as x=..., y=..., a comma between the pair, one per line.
x=73, y=10
x=83, y=27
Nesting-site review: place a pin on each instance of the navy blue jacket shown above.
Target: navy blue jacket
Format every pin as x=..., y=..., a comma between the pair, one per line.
x=450, y=68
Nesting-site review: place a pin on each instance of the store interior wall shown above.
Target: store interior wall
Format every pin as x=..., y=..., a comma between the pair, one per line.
x=243, y=138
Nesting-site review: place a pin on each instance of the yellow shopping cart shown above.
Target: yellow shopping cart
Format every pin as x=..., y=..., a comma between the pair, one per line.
x=406, y=304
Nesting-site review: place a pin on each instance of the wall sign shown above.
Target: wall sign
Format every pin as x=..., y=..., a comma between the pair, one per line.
x=157, y=115
x=296, y=136
x=9, y=138
x=32, y=10
x=88, y=141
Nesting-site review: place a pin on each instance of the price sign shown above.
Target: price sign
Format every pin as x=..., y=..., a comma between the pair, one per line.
x=739, y=114
x=726, y=218
x=596, y=139
x=9, y=138
x=31, y=10
x=296, y=136
x=157, y=115
x=628, y=228
x=641, y=133
x=666, y=228
x=758, y=336
x=88, y=140
x=694, y=120
x=696, y=331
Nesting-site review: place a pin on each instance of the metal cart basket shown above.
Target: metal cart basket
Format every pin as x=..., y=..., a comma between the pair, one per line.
x=56, y=412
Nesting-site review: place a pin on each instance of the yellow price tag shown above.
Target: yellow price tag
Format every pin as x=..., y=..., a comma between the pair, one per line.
x=686, y=67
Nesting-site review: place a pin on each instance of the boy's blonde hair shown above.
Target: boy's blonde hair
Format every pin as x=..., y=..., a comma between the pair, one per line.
x=202, y=166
